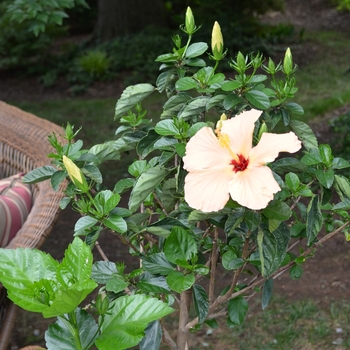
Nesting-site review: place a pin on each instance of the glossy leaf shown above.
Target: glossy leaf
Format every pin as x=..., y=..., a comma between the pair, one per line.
x=102, y=271
x=237, y=310
x=305, y=134
x=277, y=210
x=200, y=301
x=130, y=97
x=326, y=178
x=157, y=264
x=167, y=128
x=267, y=293
x=258, y=99
x=179, y=282
x=153, y=337
x=185, y=83
x=127, y=320
x=39, y=174
x=196, y=49
x=314, y=220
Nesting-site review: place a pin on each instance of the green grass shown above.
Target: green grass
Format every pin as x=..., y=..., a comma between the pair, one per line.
x=283, y=326
x=324, y=83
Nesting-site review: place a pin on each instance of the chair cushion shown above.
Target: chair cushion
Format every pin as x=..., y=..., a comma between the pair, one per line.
x=15, y=205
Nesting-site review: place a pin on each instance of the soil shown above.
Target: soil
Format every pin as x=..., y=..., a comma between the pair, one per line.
x=326, y=275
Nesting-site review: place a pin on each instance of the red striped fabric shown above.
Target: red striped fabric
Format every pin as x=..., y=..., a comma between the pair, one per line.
x=15, y=205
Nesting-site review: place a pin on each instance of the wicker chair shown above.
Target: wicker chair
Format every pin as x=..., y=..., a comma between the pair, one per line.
x=23, y=147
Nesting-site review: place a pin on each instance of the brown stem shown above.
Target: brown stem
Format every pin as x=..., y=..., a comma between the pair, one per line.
x=183, y=331
x=214, y=259
x=160, y=204
x=167, y=339
x=103, y=255
x=258, y=282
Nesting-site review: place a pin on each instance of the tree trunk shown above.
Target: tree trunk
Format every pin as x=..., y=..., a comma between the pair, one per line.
x=120, y=17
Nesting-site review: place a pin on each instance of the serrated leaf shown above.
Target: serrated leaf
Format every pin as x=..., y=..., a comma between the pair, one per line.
x=102, y=271
x=130, y=97
x=194, y=108
x=179, y=282
x=166, y=128
x=179, y=245
x=200, y=301
x=267, y=293
x=93, y=172
x=153, y=337
x=116, y=285
x=258, y=99
x=305, y=134
x=157, y=264
x=39, y=174
x=146, y=145
x=314, y=220
x=127, y=319
x=343, y=184
x=59, y=336
x=145, y=184
x=153, y=284
x=237, y=310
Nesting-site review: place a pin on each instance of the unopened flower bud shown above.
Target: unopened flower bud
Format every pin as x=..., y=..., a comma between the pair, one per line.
x=75, y=174
x=189, y=22
x=102, y=304
x=241, y=63
x=288, y=62
x=263, y=128
x=219, y=123
x=217, y=42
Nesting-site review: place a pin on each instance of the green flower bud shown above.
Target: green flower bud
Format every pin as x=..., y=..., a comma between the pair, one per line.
x=271, y=66
x=189, y=22
x=263, y=128
x=75, y=175
x=288, y=62
x=241, y=63
x=217, y=42
x=102, y=304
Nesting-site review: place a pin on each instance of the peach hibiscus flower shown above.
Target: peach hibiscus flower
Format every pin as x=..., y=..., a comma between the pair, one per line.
x=227, y=164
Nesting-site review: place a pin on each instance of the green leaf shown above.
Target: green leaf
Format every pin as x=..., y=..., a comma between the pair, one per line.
x=313, y=221
x=153, y=284
x=127, y=319
x=185, y=83
x=194, y=108
x=157, y=264
x=305, y=134
x=294, y=108
x=196, y=49
x=195, y=128
x=258, y=99
x=230, y=261
x=116, y=223
x=93, y=172
x=167, y=128
x=288, y=164
x=179, y=245
x=326, y=178
x=267, y=293
x=116, y=285
x=231, y=85
x=130, y=97
x=295, y=272
x=145, y=184
x=326, y=154
x=57, y=178
x=84, y=224
x=179, y=282
x=272, y=248
x=277, y=210
x=59, y=336
x=292, y=181
x=153, y=337
x=231, y=100
x=340, y=163
x=344, y=205
x=343, y=184
x=102, y=271
x=39, y=174
x=146, y=145
x=175, y=104
x=200, y=301
x=237, y=310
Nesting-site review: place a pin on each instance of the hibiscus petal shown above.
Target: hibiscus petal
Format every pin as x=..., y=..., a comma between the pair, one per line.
x=240, y=131
x=254, y=187
x=207, y=190
x=271, y=144
x=203, y=151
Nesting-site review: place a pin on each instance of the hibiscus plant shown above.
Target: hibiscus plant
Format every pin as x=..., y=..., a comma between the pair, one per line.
x=212, y=191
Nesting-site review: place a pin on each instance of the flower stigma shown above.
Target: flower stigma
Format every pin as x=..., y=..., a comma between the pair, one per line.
x=241, y=164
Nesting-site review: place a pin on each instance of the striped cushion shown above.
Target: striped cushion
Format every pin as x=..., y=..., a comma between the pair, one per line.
x=15, y=204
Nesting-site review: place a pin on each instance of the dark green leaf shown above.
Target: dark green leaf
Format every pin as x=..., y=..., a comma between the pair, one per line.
x=116, y=285
x=115, y=223
x=277, y=210
x=57, y=178
x=201, y=302
x=102, y=271
x=314, y=220
x=59, y=336
x=84, y=224
x=294, y=108
x=326, y=178
x=237, y=310
x=231, y=100
x=288, y=164
x=343, y=184
x=130, y=97
x=39, y=174
x=231, y=85
x=267, y=293
x=258, y=99
x=179, y=282
x=157, y=264
x=295, y=272
x=153, y=337
x=292, y=181
x=179, y=245
x=146, y=145
x=340, y=163
x=194, y=108
x=326, y=154
x=305, y=134
x=145, y=184
x=167, y=128
x=185, y=83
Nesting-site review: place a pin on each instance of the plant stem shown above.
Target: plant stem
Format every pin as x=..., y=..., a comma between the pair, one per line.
x=214, y=259
x=183, y=331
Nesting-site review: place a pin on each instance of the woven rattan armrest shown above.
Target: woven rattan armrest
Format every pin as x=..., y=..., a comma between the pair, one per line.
x=23, y=147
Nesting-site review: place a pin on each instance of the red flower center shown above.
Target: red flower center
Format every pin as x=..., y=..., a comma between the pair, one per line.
x=239, y=165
